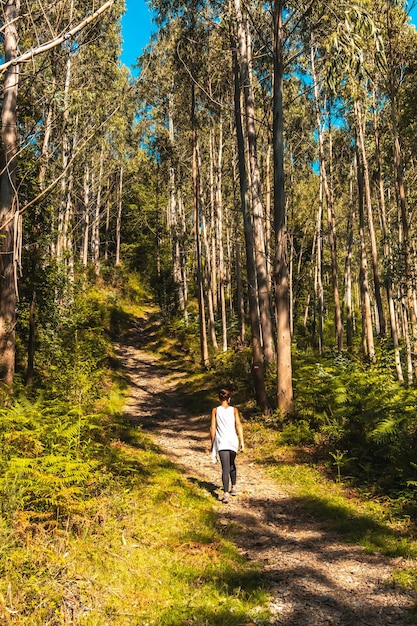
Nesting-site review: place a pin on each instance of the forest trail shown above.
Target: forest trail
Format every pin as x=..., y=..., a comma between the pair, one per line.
x=314, y=578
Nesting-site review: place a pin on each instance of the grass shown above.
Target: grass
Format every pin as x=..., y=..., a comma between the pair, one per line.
x=358, y=518
x=146, y=551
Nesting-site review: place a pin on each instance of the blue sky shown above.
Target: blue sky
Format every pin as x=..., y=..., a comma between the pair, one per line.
x=137, y=27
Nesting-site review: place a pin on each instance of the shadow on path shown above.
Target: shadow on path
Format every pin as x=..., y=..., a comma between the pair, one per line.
x=314, y=577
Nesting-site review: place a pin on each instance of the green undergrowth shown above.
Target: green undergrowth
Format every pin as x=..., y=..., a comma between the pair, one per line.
x=359, y=517
x=144, y=549
x=97, y=526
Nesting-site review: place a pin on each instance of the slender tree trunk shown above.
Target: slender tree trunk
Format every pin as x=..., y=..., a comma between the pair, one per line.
x=208, y=267
x=46, y=142
x=371, y=228
x=386, y=247
x=367, y=330
x=209, y=295
x=30, y=372
x=220, y=238
x=196, y=195
x=174, y=218
x=8, y=196
x=106, y=247
x=398, y=165
x=64, y=209
x=330, y=213
x=319, y=270
x=284, y=361
x=268, y=215
x=84, y=251
x=257, y=354
x=183, y=253
x=407, y=341
x=256, y=190
x=95, y=231
x=348, y=276
x=238, y=252
x=213, y=230
x=119, y=218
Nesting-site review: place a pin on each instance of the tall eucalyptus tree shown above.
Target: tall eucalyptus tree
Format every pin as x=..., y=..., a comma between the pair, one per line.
x=36, y=131
x=9, y=214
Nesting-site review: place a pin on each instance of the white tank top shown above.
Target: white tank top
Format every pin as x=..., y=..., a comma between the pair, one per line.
x=226, y=435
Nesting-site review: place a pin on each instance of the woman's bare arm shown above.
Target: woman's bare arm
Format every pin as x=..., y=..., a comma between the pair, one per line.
x=213, y=425
x=239, y=429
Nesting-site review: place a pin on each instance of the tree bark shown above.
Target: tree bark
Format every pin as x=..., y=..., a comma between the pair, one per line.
x=371, y=228
x=348, y=277
x=220, y=238
x=284, y=360
x=174, y=217
x=367, y=330
x=119, y=218
x=8, y=196
x=330, y=213
x=256, y=190
x=84, y=251
x=95, y=231
x=386, y=247
x=257, y=354
x=204, y=355
x=319, y=271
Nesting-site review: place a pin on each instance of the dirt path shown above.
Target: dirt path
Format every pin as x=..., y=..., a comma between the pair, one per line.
x=314, y=578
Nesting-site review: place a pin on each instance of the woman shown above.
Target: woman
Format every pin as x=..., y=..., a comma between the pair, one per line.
x=226, y=432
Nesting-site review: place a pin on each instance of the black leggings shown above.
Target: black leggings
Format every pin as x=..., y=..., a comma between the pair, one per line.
x=227, y=458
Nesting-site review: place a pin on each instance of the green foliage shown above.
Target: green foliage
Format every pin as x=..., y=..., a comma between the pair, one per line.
x=145, y=547
x=44, y=463
x=297, y=433
x=52, y=449
x=363, y=410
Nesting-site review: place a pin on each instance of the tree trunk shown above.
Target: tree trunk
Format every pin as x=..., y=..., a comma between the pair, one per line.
x=95, y=231
x=371, y=228
x=330, y=213
x=257, y=354
x=209, y=294
x=284, y=361
x=119, y=218
x=196, y=196
x=238, y=257
x=256, y=190
x=367, y=330
x=386, y=248
x=220, y=238
x=107, y=232
x=348, y=277
x=207, y=277
x=65, y=209
x=8, y=196
x=174, y=218
x=398, y=165
x=319, y=270
x=84, y=251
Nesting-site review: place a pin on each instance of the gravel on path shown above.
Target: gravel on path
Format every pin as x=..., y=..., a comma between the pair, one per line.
x=314, y=578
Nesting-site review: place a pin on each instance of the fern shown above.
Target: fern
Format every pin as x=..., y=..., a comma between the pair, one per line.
x=47, y=456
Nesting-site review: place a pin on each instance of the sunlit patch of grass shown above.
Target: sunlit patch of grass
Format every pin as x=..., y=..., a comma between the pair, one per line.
x=360, y=519
x=146, y=552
